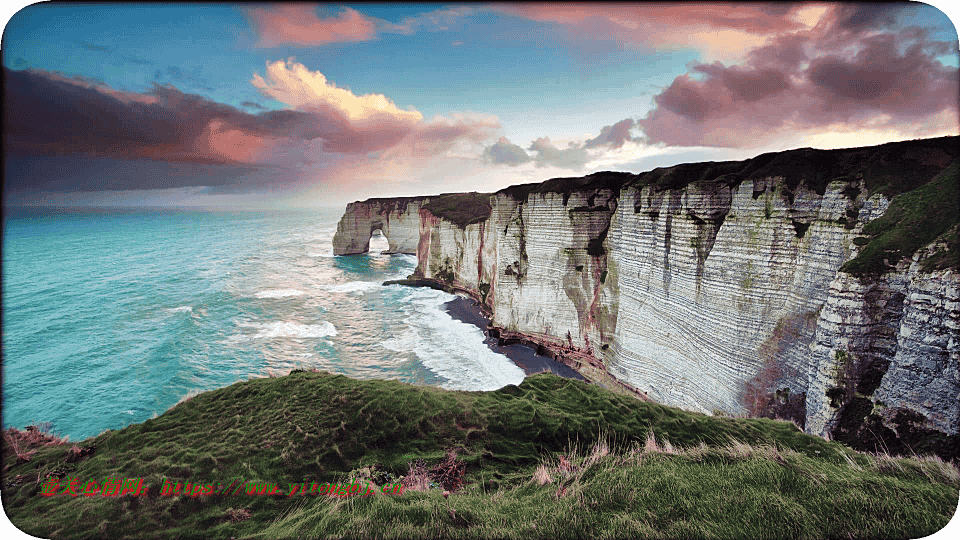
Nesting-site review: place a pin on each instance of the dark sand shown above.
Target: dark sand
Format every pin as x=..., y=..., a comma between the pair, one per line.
x=463, y=309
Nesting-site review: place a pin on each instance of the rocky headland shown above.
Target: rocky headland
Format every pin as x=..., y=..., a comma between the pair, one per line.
x=817, y=285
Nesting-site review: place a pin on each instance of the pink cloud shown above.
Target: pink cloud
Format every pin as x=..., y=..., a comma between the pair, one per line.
x=356, y=124
x=298, y=24
x=717, y=30
x=53, y=114
x=757, y=18
x=847, y=71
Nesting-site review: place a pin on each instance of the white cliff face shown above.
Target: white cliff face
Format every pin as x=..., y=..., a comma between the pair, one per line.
x=463, y=257
x=924, y=375
x=398, y=219
x=552, y=280
x=904, y=328
x=694, y=294
x=705, y=275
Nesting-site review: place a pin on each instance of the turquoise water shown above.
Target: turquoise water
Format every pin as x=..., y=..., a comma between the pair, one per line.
x=111, y=317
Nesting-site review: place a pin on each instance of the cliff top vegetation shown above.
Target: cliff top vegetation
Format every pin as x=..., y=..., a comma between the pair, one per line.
x=913, y=220
x=512, y=458
x=890, y=169
x=461, y=208
x=397, y=200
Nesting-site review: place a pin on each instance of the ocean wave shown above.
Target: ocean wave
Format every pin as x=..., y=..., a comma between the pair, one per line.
x=289, y=329
x=450, y=348
x=180, y=309
x=409, y=259
x=278, y=293
x=352, y=287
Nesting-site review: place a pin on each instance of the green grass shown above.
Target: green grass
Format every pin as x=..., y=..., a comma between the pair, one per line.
x=889, y=169
x=737, y=477
x=461, y=208
x=913, y=220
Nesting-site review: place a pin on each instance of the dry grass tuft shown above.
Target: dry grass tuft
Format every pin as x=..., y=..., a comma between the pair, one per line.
x=667, y=447
x=599, y=450
x=449, y=473
x=936, y=467
x=417, y=477
x=850, y=462
x=650, y=446
x=885, y=463
x=566, y=466
x=542, y=475
x=738, y=450
x=697, y=453
x=24, y=443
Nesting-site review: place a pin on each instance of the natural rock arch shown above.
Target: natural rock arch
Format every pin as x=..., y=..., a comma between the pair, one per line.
x=397, y=219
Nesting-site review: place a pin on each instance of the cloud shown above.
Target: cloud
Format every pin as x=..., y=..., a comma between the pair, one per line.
x=442, y=135
x=613, y=136
x=353, y=124
x=573, y=157
x=298, y=24
x=503, y=152
x=50, y=114
x=718, y=30
x=437, y=20
x=293, y=84
x=756, y=18
x=858, y=18
x=848, y=71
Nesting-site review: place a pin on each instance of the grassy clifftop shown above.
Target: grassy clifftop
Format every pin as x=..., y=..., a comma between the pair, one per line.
x=913, y=220
x=461, y=208
x=890, y=169
x=552, y=458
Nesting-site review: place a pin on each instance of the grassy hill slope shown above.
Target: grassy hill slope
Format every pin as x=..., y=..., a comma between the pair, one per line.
x=552, y=458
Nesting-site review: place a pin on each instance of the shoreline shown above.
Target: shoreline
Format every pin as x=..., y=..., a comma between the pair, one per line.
x=525, y=357
x=524, y=349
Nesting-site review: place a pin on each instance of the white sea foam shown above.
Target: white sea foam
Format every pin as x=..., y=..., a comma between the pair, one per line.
x=450, y=348
x=328, y=255
x=288, y=329
x=410, y=259
x=278, y=293
x=180, y=309
x=352, y=287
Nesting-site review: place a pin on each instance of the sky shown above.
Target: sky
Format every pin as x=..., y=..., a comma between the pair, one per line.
x=265, y=106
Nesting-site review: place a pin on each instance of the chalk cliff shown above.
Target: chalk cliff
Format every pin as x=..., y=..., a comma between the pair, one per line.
x=718, y=287
x=397, y=218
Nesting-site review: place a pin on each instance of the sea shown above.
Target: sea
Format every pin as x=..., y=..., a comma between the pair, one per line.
x=112, y=316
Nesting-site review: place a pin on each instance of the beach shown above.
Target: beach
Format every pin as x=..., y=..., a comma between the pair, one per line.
x=465, y=310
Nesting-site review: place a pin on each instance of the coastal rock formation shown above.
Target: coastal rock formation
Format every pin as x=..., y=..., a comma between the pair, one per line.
x=739, y=287
x=397, y=218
